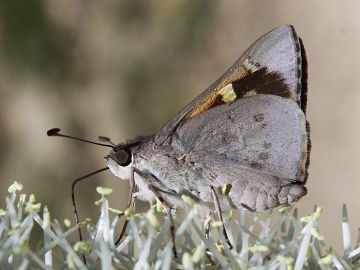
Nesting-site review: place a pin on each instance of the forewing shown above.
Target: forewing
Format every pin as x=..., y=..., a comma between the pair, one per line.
x=262, y=133
x=275, y=64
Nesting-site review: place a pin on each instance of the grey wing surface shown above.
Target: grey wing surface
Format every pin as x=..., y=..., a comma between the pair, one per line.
x=274, y=64
x=257, y=143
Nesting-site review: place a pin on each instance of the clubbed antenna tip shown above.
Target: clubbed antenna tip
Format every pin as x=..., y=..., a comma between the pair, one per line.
x=53, y=132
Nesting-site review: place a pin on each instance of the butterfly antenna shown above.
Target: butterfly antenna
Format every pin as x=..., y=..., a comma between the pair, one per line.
x=73, y=195
x=55, y=132
x=106, y=139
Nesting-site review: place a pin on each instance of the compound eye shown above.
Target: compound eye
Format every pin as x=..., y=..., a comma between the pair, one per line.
x=123, y=157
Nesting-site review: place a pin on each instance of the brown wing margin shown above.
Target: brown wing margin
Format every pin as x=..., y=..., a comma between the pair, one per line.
x=304, y=77
x=303, y=100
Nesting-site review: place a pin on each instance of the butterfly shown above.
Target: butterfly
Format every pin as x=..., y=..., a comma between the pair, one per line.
x=247, y=132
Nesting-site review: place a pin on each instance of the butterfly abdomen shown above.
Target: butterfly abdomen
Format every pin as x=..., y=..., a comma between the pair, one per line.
x=260, y=198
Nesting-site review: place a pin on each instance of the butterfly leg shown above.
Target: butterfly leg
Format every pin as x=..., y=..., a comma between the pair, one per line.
x=129, y=204
x=166, y=206
x=207, y=232
x=207, y=224
x=168, y=210
x=218, y=210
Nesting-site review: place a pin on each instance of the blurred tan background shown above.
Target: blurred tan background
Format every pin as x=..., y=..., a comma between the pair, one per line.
x=123, y=68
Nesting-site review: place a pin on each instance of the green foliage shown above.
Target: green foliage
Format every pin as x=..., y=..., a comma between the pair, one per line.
x=284, y=243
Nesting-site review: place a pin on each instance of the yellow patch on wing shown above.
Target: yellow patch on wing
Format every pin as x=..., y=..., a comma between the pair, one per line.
x=250, y=93
x=224, y=92
x=227, y=93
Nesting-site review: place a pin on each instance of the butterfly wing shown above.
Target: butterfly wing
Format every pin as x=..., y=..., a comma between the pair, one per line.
x=257, y=143
x=275, y=64
x=262, y=132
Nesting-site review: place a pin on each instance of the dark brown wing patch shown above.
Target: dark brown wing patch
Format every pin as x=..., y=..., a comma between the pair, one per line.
x=262, y=82
x=254, y=82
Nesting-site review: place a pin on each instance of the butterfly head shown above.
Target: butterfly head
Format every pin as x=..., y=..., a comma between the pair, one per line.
x=121, y=155
x=119, y=161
